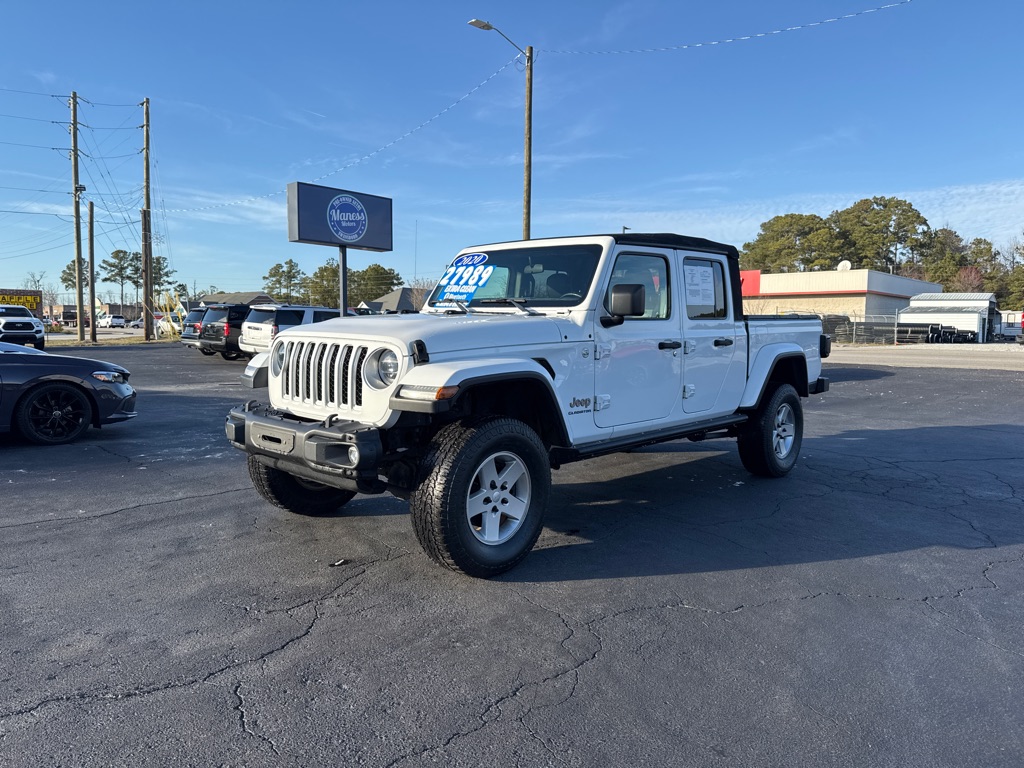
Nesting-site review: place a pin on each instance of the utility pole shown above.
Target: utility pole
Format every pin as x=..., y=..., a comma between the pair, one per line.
x=528, y=149
x=78, y=190
x=92, y=277
x=147, y=235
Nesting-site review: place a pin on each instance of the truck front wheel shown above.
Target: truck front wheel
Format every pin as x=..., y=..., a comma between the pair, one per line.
x=480, y=507
x=303, y=497
x=770, y=442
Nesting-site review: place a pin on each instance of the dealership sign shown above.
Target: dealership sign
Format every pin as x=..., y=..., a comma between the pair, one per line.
x=327, y=216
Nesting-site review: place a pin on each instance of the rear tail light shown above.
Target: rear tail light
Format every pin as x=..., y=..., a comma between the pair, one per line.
x=273, y=332
x=227, y=329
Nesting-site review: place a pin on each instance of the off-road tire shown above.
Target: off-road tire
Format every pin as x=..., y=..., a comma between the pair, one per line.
x=770, y=442
x=53, y=414
x=303, y=497
x=462, y=523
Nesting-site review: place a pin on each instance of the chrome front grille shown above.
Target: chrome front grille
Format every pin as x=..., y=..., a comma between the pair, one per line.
x=325, y=374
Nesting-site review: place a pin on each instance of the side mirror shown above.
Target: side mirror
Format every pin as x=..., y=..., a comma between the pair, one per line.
x=626, y=300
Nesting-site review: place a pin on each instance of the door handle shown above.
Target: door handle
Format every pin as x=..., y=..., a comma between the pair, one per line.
x=723, y=342
x=669, y=344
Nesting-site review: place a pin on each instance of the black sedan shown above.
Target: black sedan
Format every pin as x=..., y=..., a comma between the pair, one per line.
x=53, y=399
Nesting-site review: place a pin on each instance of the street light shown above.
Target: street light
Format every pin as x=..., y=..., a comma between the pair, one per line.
x=528, y=148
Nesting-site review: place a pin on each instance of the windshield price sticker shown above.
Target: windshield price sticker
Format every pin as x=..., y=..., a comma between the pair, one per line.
x=465, y=275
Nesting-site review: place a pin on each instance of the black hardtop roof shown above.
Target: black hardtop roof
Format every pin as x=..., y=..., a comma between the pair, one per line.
x=672, y=240
x=655, y=240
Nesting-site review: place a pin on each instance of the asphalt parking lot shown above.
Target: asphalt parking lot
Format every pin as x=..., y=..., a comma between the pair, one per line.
x=868, y=609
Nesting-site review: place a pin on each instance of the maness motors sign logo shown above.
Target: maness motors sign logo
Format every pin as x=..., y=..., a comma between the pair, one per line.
x=347, y=218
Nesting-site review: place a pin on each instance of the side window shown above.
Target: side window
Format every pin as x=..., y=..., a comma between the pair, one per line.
x=705, y=289
x=289, y=316
x=320, y=315
x=652, y=273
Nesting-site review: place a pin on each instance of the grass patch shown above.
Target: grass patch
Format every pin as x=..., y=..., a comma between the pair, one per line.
x=71, y=340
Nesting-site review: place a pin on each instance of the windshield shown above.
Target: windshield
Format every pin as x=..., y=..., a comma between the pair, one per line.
x=547, y=276
x=15, y=312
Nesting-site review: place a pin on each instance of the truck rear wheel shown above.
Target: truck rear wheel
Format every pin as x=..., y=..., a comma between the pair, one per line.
x=770, y=442
x=303, y=497
x=480, y=507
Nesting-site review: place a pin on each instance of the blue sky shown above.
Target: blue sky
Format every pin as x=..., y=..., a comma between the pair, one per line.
x=405, y=100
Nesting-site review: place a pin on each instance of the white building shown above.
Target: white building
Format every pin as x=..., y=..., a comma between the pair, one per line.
x=856, y=293
x=974, y=313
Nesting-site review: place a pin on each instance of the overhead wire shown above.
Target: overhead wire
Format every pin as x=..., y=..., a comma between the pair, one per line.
x=106, y=175
x=741, y=38
x=365, y=157
x=685, y=46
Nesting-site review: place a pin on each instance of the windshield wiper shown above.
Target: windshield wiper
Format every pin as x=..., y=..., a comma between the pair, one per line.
x=461, y=308
x=519, y=304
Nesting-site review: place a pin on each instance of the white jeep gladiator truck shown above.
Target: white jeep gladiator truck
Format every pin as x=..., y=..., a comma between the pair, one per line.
x=527, y=355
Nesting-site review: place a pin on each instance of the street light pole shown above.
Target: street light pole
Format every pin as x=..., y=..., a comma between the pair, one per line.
x=528, y=141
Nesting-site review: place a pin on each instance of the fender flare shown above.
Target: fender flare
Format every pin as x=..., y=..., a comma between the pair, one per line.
x=473, y=377
x=770, y=359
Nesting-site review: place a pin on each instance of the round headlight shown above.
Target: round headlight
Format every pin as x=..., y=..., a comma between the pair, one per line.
x=387, y=367
x=278, y=358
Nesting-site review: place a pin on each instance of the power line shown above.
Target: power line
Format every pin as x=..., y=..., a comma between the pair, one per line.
x=365, y=157
x=451, y=106
x=28, y=189
x=742, y=38
x=35, y=146
x=33, y=213
x=34, y=93
x=35, y=119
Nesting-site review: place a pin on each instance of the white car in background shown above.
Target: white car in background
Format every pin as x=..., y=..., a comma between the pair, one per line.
x=265, y=321
x=111, y=321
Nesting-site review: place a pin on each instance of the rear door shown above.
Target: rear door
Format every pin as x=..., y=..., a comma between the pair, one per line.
x=714, y=340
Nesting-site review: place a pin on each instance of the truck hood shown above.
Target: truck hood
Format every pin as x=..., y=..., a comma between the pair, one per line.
x=441, y=333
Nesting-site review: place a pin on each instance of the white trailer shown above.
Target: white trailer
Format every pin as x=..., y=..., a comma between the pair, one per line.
x=1011, y=323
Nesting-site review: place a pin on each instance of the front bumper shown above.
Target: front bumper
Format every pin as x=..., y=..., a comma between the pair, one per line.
x=115, y=403
x=341, y=454
x=21, y=337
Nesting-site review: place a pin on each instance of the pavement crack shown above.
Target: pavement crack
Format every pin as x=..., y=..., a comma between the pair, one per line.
x=99, y=515
x=243, y=719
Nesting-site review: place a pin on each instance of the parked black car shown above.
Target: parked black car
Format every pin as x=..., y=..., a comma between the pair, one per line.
x=222, y=326
x=190, y=329
x=53, y=399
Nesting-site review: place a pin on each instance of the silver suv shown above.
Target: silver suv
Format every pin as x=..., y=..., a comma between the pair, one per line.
x=264, y=321
x=19, y=326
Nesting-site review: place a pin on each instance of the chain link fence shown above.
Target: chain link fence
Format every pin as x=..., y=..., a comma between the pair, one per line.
x=884, y=329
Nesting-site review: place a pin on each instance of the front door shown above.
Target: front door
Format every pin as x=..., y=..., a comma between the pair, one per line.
x=639, y=363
